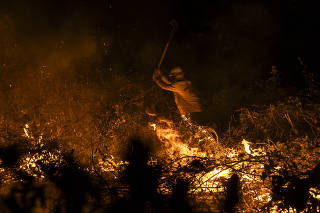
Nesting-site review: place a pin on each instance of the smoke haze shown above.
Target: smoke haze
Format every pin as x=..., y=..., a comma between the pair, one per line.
x=224, y=47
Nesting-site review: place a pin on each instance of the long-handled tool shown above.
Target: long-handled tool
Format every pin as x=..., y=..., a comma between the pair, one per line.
x=174, y=25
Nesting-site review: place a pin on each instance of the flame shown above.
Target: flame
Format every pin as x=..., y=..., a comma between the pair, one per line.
x=315, y=193
x=177, y=148
x=172, y=139
x=227, y=161
x=26, y=131
x=154, y=126
x=216, y=173
x=246, y=146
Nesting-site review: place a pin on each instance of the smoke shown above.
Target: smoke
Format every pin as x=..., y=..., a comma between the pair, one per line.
x=224, y=47
x=52, y=34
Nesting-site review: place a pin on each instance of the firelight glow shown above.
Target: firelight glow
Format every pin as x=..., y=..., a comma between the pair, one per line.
x=246, y=146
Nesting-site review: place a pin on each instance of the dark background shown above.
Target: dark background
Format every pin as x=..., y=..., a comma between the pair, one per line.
x=226, y=47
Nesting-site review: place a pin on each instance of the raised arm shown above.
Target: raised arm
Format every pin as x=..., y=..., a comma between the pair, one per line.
x=162, y=81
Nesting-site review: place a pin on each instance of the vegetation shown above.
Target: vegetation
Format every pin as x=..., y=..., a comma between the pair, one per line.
x=65, y=146
x=80, y=134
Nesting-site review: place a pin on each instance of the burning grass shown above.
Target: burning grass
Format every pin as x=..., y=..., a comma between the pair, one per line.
x=271, y=152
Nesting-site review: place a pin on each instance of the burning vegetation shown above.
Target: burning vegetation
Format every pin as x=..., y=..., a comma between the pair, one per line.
x=73, y=152
x=82, y=132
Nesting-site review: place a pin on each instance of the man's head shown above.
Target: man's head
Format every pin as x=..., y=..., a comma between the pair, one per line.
x=177, y=73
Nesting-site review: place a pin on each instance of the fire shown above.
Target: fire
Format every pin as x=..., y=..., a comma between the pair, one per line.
x=209, y=179
x=225, y=160
x=26, y=131
x=246, y=146
x=184, y=143
x=178, y=149
x=172, y=139
x=154, y=126
x=110, y=164
x=315, y=193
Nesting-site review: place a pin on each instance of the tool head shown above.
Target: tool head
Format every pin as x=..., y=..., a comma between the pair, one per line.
x=174, y=23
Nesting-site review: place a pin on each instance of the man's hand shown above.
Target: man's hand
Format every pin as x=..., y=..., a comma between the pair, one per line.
x=157, y=71
x=156, y=74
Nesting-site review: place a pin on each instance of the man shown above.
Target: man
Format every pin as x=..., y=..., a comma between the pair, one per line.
x=186, y=101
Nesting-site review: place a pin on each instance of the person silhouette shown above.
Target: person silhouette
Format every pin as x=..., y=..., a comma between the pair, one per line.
x=186, y=100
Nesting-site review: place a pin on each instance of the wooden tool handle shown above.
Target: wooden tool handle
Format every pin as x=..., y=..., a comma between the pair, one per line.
x=174, y=25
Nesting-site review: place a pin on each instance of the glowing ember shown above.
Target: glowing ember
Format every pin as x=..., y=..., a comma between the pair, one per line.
x=215, y=174
x=110, y=164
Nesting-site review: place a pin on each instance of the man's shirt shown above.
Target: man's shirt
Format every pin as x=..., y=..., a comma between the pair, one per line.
x=184, y=96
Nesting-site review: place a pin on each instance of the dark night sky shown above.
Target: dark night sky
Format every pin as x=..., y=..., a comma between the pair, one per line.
x=222, y=45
